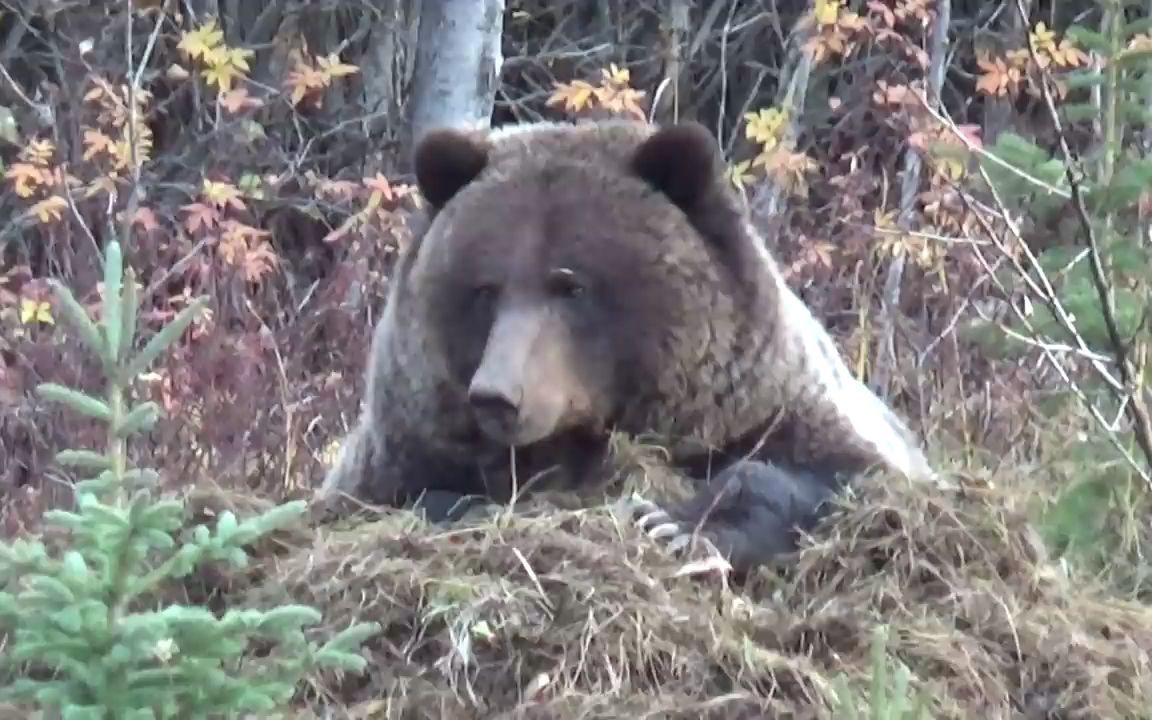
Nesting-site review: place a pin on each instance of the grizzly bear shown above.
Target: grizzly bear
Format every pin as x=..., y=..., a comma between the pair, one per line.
x=575, y=279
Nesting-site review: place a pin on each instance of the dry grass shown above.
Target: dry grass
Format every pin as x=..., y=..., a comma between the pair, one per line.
x=560, y=612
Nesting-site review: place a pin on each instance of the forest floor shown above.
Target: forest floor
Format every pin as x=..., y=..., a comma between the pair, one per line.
x=572, y=612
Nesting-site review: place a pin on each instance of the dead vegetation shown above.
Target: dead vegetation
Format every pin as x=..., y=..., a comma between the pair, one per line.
x=572, y=612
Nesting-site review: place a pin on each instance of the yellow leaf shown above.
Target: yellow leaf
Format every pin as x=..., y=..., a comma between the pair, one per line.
x=764, y=125
x=38, y=151
x=1041, y=37
x=573, y=96
x=827, y=11
x=238, y=58
x=221, y=193
x=50, y=208
x=332, y=66
x=201, y=41
x=220, y=75
x=951, y=168
x=739, y=174
x=37, y=310
x=331, y=451
x=615, y=74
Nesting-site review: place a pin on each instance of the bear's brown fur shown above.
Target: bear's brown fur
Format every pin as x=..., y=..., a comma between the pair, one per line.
x=578, y=278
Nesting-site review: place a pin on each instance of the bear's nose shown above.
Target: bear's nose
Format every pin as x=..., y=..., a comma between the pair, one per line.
x=497, y=413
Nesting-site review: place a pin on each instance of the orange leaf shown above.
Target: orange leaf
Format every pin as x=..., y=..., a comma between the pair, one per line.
x=96, y=142
x=380, y=184
x=199, y=216
x=146, y=219
x=236, y=100
x=27, y=178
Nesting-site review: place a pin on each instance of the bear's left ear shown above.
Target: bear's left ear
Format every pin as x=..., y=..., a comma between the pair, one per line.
x=682, y=161
x=446, y=160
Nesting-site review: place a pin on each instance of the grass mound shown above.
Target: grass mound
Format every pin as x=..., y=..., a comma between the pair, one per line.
x=561, y=612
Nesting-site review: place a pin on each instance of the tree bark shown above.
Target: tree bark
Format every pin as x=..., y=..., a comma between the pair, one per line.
x=458, y=61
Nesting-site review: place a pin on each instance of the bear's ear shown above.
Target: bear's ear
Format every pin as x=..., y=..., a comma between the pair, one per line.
x=682, y=161
x=445, y=161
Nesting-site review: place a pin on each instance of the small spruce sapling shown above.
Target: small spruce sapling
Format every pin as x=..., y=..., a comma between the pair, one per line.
x=84, y=624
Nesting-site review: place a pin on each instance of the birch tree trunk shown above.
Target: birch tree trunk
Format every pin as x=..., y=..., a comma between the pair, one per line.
x=458, y=59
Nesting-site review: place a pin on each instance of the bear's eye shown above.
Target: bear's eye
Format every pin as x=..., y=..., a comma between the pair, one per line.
x=564, y=283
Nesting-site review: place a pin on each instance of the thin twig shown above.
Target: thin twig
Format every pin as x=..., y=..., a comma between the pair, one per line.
x=1074, y=172
x=137, y=76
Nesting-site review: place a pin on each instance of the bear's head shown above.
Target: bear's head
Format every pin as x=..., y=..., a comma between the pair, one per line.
x=581, y=276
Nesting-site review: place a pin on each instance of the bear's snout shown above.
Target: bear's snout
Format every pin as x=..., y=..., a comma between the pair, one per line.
x=497, y=413
x=520, y=393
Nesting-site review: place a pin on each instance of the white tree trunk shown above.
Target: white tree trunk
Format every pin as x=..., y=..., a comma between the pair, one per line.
x=458, y=61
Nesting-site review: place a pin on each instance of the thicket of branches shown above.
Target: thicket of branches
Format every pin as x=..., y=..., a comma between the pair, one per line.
x=958, y=188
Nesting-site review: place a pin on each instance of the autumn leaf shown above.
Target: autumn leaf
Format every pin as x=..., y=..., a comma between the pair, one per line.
x=787, y=168
x=379, y=184
x=950, y=168
x=146, y=219
x=97, y=93
x=739, y=175
x=199, y=43
x=764, y=126
x=381, y=191
x=573, y=96
x=615, y=75
x=331, y=66
x=221, y=75
x=232, y=248
x=302, y=81
x=621, y=100
x=997, y=77
x=96, y=142
x=1041, y=38
x=236, y=100
x=199, y=215
x=259, y=261
x=38, y=152
x=222, y=193
x=1066, y=54
x=827, y=11
x=238, y=58
x=27, y=178
x=971, y=133
x=243, y=230
x=50, y=208
x=38, y=310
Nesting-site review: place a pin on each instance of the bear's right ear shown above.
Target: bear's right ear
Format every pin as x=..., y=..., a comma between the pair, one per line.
x=446, y=160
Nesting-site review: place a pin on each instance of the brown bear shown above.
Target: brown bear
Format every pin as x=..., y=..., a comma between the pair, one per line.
x=573, y=279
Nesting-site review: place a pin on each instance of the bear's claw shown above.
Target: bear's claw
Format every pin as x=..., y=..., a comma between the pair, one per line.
x=678, y=537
